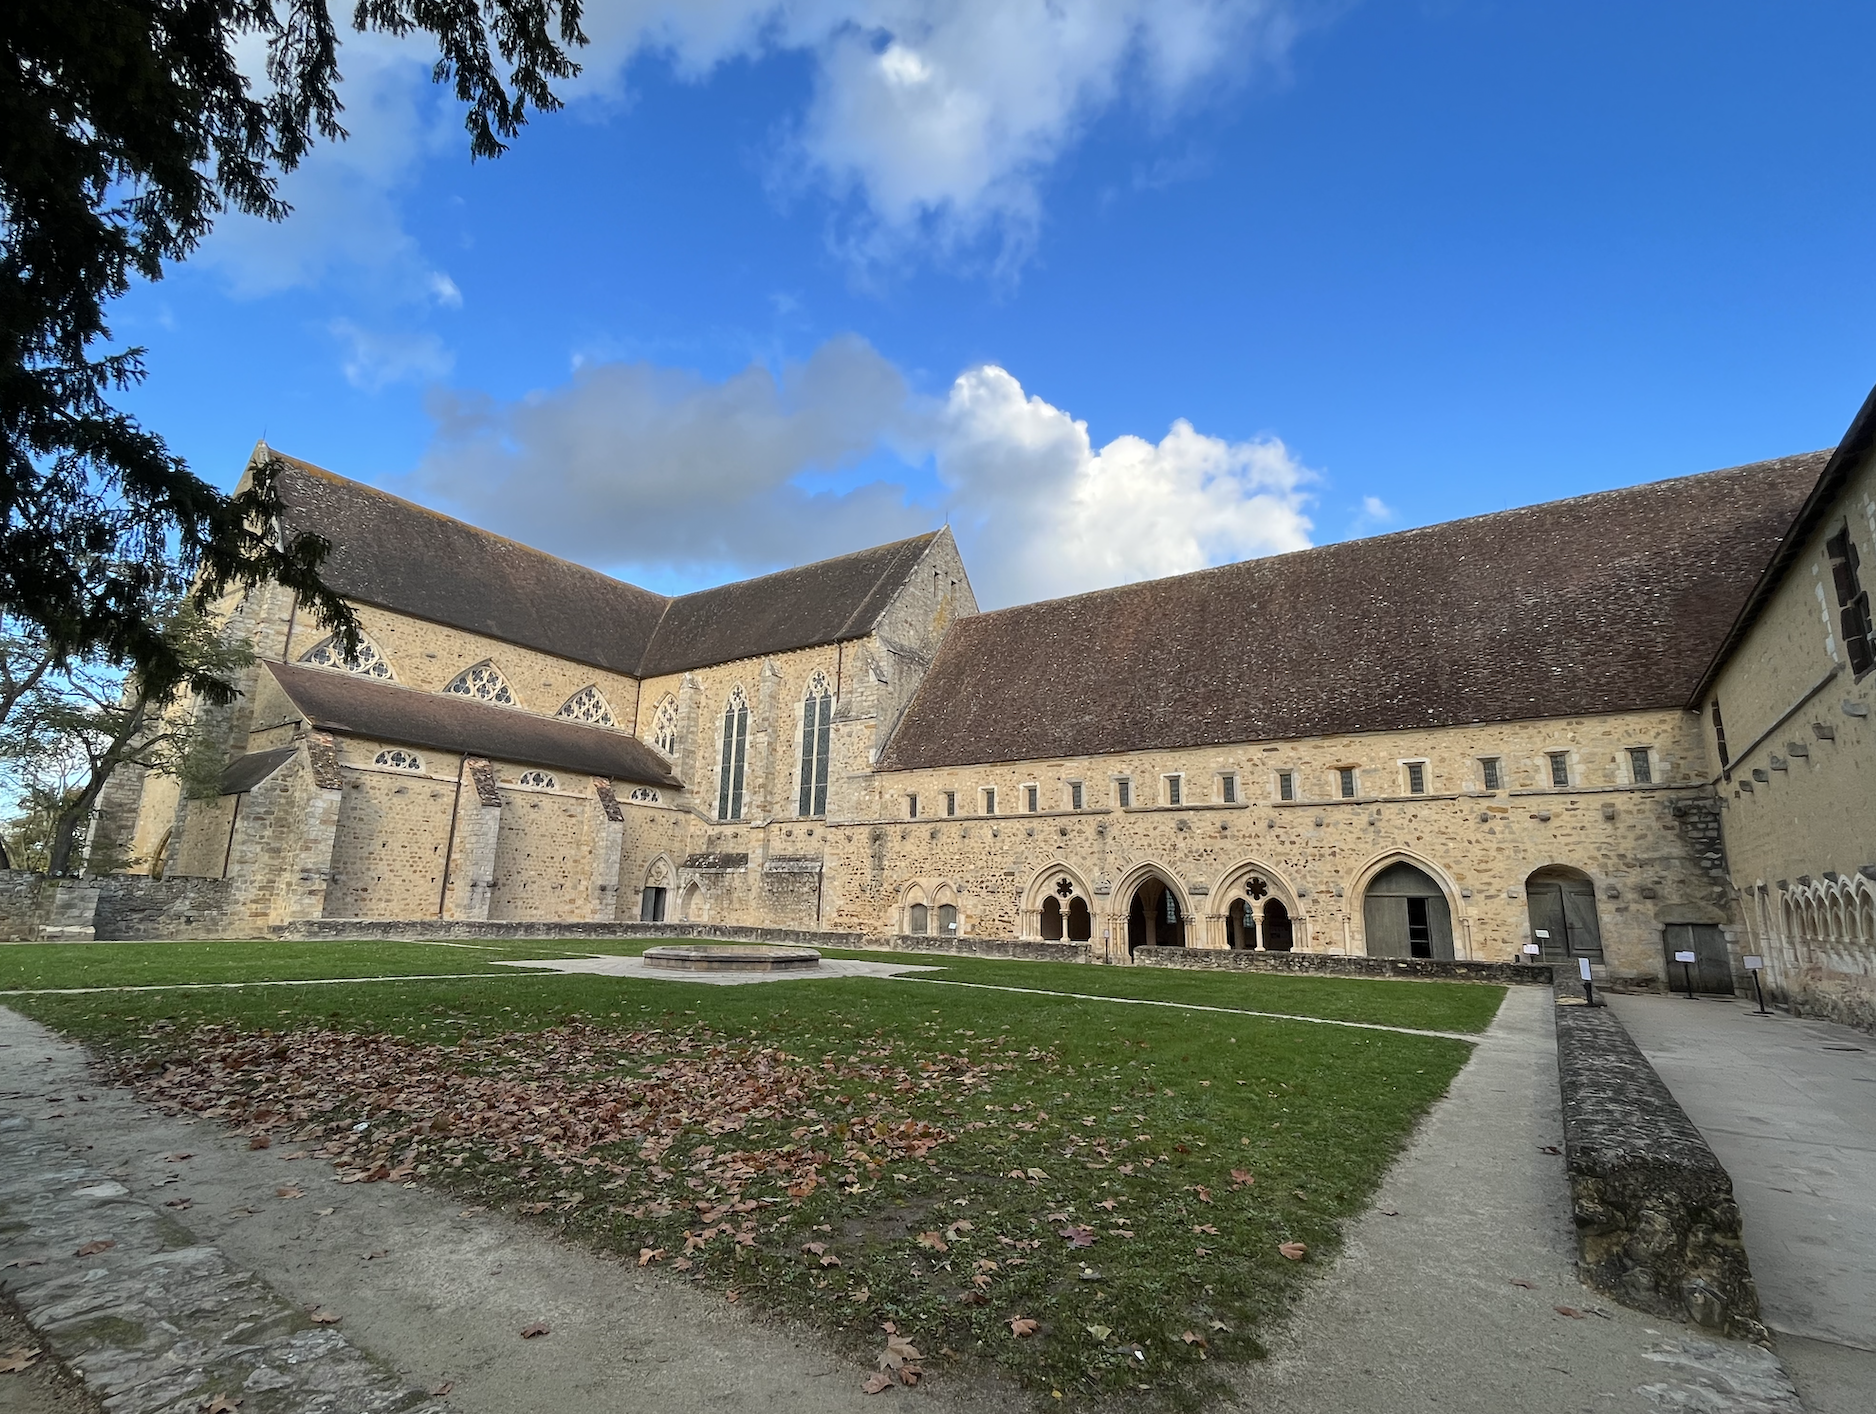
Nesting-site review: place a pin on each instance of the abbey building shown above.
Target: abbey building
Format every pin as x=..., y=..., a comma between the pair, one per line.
x=1620, y=727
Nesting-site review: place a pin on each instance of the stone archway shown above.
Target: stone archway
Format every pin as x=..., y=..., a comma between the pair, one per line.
x=692, y=908
x=1562, y=904
x=1257, y=909
x=1405, y=913
x=1156, y=915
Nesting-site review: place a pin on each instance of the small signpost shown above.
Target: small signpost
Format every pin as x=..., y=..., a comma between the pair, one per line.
x=1589, y=987
x=1756, y=965
x=1531, y=949
x=1687, y=960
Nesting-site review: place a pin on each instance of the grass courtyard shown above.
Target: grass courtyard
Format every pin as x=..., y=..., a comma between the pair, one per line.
x=1094, y=1196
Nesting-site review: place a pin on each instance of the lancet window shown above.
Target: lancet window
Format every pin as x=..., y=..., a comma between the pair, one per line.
x=735, y=757
x=817, y=716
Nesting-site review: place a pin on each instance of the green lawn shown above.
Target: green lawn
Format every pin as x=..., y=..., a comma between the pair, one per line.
x=845, y=1152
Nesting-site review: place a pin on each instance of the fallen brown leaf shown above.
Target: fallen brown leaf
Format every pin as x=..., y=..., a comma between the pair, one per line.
x=1572, y=1313
x=878, y=1383
x=1241, y=1178
x=180, y=1203
x=534, y=1331
x=91, y=1249
x=1205, y=1194
x=323, y=1317
x=933, y=1242
x=648, y=1255
x=1194, y=1338
x=220, y=1404
x=443, y=1388
x=1021, y=1326
x=260, y=1141
x=21, y=1358
x=176, y=1158
x=290, y=1191
x=1295, y=1251
x=1527, y=1285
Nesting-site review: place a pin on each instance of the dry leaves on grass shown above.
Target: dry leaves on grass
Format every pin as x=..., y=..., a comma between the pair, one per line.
x=1021, y=1326
x=220, y=1404
x=18, y=1359
x=1295, y=1251
x=561, y=1093
x=898, y=1361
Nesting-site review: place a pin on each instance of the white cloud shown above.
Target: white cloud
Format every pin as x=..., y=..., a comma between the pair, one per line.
x=940, y=117
x=1044, y=512
x=375, y=359
x=345, y=218
x=1375, y=514
x=646, y=469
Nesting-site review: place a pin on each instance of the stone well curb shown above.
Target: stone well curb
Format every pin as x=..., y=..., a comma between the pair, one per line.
x=1657, y=1226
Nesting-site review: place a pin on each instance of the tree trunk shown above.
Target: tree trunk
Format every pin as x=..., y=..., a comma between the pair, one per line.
x=65, y=831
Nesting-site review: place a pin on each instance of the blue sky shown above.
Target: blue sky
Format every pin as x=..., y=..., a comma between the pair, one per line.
x=1119, y=291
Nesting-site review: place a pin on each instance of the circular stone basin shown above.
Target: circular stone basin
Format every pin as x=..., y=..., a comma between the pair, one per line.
x=732, y=957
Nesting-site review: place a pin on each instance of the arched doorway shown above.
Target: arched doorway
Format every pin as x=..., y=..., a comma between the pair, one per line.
x=1405, y=914
x=1052, y=919
x=1155, y=918
x=1272, y=929
x=1563, y=913
x=692, y=906
x=1080, y=921
x=1278, y=933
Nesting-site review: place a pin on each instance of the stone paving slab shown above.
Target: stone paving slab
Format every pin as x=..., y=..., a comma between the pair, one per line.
x=157, y=1322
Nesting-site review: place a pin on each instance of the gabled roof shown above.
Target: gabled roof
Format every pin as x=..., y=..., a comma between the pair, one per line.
x=1603, y=603
x=395, y=554
x=1858, y=443
x=799, y=608
x=368, y=707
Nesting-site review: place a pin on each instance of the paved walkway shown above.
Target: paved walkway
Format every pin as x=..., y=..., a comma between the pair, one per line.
x=1445, y=1298
x=1790, y=1108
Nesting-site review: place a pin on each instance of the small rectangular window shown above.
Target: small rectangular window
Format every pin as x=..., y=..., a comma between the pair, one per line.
x=951, y=802
x=1031, y=799
x=1719, y=734
x=990, y=800
x=1175, y=789
x=1560, y=768
x=1853, y=608
x=1416, y=778
x=1286, y=785
x=911, y=807
x=1123, y=793
x=1347, y=774
x=1494, y=777
x=1074, y=795
x=1639, y=767
x=1228, y=789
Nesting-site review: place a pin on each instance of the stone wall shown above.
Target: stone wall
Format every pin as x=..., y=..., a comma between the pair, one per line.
x=1657, y=1225
x=133, y=908
x=1513, y=973
x=22, y=904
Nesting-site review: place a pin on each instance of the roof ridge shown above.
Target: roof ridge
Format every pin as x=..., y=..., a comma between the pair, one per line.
x=1330, y=546
x=810, y=565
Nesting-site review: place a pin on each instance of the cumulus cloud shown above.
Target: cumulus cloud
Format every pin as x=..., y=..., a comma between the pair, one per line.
x=939, y=118
x=375, y=359
x=1045, y=512
x=640, y=468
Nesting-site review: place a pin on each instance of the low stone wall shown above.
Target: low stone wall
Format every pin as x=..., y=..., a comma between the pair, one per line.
x=1657, y=1225
x=133, y=908
x=1020, y=949
x=1848, y=1001
x=1335, y=965
x=22, y=907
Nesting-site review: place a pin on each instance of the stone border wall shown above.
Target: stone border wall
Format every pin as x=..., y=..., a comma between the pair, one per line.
x=1336, y=965
x=1656, y=1222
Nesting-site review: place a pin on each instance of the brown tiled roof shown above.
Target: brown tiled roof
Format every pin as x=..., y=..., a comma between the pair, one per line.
x=243, y=773
x=799, y=608
x=397, y=555
x=1602, y=603
x=367, y=707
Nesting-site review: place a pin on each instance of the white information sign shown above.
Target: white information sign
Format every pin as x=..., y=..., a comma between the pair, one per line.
x=1541, y=932
x=1684, y=957
x=1754, y=964
x=1531, y=948
x=1582, y=965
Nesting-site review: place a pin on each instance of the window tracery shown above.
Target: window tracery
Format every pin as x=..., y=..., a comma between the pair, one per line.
x=735, y=756
x=368, y=661
x=664, y=726
x=538, y=780
x=817, y=716
x=483, y=682
x=398, y=759
x=644, y=795
x=588, y=705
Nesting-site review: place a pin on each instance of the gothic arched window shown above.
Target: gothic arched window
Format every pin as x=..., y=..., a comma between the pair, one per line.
x=538, y=780
x=398, y=760
x=587, y=705
x=735, y=755
x=367, y=661
x=664, y=726
x=484, y=683
x=817, y=716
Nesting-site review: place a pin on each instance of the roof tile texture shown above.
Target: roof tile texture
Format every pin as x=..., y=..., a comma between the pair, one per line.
x=1602, y=603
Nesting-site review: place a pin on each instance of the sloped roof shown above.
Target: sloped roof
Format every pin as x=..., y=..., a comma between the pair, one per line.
x=368, y=707
x=243, y=773
x=398, y=555
x=1601, y=603
x=799, y=608
x=395, y=554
